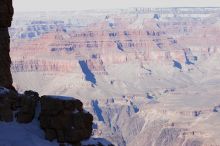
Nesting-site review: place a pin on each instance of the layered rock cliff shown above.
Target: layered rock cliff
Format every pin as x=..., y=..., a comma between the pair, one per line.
x=149, y=76
x=115, y=40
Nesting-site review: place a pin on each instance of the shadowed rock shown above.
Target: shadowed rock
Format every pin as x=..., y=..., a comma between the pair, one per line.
x=6, y=14
x=23, y=105
x=64, y=119
x=61, y=118
x=27, y=103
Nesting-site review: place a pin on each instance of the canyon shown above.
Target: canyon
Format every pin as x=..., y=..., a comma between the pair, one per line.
x=150, y=76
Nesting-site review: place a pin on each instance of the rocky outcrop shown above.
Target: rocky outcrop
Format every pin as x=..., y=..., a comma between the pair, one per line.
x=6, y=13
x=61, y=118
x=23, y=105
x=27, y=103
x=5, y=60
x=7, y=104
x=64, y=119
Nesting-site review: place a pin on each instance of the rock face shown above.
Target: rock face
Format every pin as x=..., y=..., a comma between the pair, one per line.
x=45, y=45
x=64, y=119
x=27, y=104
x=5, y=60
x=7, y=104
x=6, y=13
x=61, y=118
x=23, y=105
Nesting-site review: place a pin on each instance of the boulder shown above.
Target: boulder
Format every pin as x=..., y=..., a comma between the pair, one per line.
x=6, y=115
x=23, y=104
x=27, y=103
x=50, y=134
x=7, y=102
x=64, y=118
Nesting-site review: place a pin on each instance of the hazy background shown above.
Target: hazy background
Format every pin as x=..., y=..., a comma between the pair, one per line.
x=56, y=5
